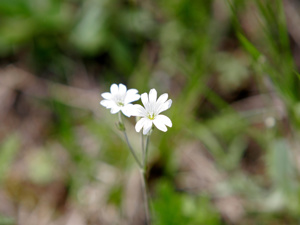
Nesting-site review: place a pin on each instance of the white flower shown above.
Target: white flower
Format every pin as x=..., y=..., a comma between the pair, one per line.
x=120, y=98
x=150, y=112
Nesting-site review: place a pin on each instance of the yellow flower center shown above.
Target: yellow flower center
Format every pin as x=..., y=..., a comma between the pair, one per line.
x=151, y=117
x=120, y=104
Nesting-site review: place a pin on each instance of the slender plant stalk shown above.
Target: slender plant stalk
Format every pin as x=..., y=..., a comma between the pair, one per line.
x=145, y=196
x=144, y=182
x=143, y=149
x=128, y=143
x=143, y=166
x=146, y=152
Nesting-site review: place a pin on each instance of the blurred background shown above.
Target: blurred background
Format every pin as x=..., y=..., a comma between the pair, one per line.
x=230, y=67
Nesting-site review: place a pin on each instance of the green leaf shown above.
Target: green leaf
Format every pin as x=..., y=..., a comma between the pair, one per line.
x=249, y=47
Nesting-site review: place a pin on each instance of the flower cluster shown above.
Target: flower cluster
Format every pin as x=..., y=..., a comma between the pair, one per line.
x=120, y=99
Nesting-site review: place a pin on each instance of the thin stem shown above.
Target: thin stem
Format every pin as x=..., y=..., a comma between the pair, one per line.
x=144, y=181
x=128, y=143
x=146, y=153
x=145, y=196
x=143, y=167
x=143, y=149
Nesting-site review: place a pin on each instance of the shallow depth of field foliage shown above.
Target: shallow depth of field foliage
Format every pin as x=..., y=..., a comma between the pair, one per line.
x=231, y=69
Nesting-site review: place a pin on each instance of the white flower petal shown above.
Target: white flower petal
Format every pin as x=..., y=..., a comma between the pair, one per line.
x=131, y=96
x=164, y=106
x=106, y=95
x=147, y=126
x=145, y=100
x=152, y=96
x=132, y=91
x=104, y=102
x=122, y=89
x=138, y=110
x=114, y=89
x=164, y=120
x=107, y=103
x=139, y=125
x=160, y=125
x=125, y=112
x=162, y=99
x=115, y=109
x=128, y=110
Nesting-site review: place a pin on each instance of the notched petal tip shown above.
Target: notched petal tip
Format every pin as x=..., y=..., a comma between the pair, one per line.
x=164, y=106
x=162, y=99
x=152, y=95
x=130, y=97
x=122, y=89
x=114, y=89
x=106, y=95
x=144, y=98
x=162, y=119
x=132, y=91
x=104, y=103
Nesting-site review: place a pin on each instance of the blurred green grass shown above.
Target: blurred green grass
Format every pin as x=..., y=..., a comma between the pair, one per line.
x=229, y=69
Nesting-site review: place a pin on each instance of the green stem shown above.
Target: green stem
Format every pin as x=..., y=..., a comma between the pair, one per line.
x=145, y=196
x=146, y=153
x=128, y=143
x=143, y=149
x=143, y=166
x=144, y=180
